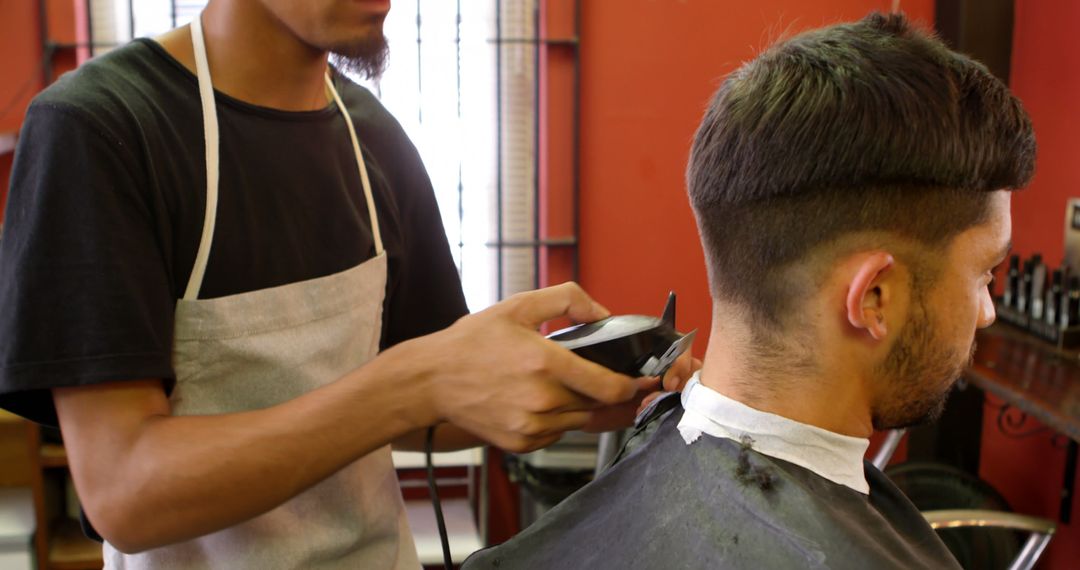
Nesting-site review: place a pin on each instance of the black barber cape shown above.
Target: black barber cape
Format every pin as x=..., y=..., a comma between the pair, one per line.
x=716, y=503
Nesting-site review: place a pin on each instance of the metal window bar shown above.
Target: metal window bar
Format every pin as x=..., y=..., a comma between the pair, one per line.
x=460, y=180
x=576, y=130
x=536, y=149
x=498, y=148
x=419, y=68
x=131, y=18
x=89, y=24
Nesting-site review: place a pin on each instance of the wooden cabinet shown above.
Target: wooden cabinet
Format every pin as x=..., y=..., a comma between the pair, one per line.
x=25, y=461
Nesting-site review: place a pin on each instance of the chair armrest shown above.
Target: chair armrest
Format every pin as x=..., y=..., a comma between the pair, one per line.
x=1041, y=530
x=959, y=518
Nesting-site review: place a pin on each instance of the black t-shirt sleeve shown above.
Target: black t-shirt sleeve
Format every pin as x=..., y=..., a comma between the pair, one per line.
x=85, y=295
x=427, y=295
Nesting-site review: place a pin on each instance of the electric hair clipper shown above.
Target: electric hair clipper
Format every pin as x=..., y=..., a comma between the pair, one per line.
x=635, y=345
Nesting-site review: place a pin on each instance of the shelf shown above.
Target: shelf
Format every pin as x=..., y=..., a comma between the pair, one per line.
x=417, y=460
x=53, y=455
x=69, y=549
x=463, y=535
x=1030, y=374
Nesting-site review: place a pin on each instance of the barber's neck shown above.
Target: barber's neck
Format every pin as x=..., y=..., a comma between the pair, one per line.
x=254, y=57
x=828, y=393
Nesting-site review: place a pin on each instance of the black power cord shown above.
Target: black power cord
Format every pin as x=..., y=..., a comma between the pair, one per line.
x=433, y=490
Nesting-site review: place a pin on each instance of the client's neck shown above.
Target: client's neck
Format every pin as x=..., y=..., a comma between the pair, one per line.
x=812, y=393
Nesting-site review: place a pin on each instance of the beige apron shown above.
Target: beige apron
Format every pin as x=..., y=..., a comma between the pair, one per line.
x=259, y=349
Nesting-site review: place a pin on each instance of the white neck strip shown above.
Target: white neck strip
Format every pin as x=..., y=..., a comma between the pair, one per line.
x=836, y=457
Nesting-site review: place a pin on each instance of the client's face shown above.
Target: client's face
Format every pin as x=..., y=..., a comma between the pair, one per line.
x=919, y=372
x=938, y=340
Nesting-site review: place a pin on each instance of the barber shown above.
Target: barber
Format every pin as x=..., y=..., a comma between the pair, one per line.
x=224, y=276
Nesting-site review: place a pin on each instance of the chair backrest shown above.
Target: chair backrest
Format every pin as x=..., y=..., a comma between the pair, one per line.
x=888, y=448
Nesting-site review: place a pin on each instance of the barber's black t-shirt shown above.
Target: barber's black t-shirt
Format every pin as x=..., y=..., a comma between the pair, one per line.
x=106, y=207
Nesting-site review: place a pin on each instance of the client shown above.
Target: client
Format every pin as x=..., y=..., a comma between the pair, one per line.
x=851, y=187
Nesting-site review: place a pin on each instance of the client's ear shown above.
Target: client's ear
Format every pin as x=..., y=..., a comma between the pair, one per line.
x=870, y=293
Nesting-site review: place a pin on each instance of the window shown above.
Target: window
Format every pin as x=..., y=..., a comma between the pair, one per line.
x=475, y=129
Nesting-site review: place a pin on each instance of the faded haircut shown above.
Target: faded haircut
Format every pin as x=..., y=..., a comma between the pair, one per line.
x=873, y=126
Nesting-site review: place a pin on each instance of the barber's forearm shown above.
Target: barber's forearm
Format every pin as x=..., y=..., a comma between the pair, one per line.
x=150, y=479
x=180, y=477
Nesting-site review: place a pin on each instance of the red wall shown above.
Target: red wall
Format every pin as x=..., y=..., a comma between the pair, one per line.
x=1046, y=76
x=648, y=71
x=20, y=76
x=21, y=72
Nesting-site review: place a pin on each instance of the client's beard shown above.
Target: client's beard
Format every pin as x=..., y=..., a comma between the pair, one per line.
x=366, y=57
x=921, y=370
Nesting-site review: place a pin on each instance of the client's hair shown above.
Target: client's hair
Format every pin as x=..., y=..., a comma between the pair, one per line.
x=873, y=126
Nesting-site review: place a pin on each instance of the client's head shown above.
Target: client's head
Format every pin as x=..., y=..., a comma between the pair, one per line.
x=851, y=186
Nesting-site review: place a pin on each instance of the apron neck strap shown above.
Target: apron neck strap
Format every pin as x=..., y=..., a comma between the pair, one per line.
x=210, y=134
x=364, y=180
x=212, y=140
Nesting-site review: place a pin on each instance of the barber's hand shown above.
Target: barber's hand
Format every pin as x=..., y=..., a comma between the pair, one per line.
x=621, y=416
x=495, y=376
x=680, y=372
x=676, y=378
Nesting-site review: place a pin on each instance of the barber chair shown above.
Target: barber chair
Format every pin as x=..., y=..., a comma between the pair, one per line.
x=1039, y=531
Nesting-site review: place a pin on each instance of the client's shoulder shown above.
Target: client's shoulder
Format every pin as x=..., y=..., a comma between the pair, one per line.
x=669, y=504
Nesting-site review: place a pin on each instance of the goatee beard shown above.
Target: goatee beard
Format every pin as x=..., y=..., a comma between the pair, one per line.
x=366, y=58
